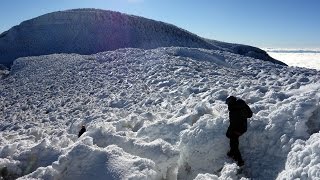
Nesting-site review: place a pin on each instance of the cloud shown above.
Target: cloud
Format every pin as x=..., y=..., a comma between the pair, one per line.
x=308, y=58
x=292, y=50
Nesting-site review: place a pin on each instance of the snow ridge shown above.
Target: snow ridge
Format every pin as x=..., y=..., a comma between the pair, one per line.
x=89, y=31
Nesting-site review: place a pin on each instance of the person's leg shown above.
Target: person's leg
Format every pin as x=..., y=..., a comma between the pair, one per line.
x=234, y=143
x=234, y=150
x=233, y=146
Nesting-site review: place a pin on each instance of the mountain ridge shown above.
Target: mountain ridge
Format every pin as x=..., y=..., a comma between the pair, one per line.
x=89, y=31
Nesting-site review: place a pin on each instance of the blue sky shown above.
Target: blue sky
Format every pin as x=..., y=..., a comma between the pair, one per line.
x=261, y=23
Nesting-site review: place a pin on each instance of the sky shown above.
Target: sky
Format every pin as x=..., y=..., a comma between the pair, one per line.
x=261, y=23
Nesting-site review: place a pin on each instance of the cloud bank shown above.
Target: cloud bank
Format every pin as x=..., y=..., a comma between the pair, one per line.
x=308, y=58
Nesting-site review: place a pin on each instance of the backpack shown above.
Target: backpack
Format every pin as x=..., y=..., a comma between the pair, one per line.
x=245, y=109
x=240, y=112
x=247, y=112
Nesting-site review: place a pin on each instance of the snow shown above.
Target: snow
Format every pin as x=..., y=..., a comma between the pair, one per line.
x=156, y=114
x=85, y=161
x=89, y=31
x=229, y=171
x=303, y=160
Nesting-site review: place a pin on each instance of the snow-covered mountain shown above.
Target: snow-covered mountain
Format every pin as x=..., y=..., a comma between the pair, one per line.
x=151, y=112
x=156, y=114
x=89, y=31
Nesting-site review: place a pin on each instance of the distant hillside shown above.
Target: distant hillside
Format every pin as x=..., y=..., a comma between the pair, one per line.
x=88, y=31
x=245, y=50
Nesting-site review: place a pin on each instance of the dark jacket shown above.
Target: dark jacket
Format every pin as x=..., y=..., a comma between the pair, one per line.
x=239, y=111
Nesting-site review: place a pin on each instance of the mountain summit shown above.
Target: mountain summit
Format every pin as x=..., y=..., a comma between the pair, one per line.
x=88, y=31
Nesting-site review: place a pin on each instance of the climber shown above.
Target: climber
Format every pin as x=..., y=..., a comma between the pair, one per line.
x=239, y=111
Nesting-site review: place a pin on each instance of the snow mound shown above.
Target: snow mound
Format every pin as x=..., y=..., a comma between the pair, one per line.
x=89, y=31
x=229, y=171
x=163, y=154
x=155, y=114
x=303, y=160
x=87, y=162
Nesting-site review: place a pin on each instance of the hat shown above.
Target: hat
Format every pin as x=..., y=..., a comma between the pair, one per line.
x=230, y=99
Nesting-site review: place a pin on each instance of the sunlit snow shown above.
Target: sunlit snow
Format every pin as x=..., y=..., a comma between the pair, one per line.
x=156, y=114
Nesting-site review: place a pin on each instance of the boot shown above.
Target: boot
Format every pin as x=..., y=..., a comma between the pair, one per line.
x=240, y=163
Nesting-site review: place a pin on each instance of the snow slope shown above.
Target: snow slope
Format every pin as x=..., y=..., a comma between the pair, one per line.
x=88, y=31
x=156, y=114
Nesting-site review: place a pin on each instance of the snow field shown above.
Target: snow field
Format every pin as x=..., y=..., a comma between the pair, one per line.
x=153, y=114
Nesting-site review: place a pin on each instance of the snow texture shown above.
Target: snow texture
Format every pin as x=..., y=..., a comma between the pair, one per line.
x=156, y=114
x=303, y=160
x=88, y=162
x=89, y=31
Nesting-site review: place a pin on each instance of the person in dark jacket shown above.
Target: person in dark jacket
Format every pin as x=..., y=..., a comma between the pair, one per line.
x=82, y=130
x=239, y=111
